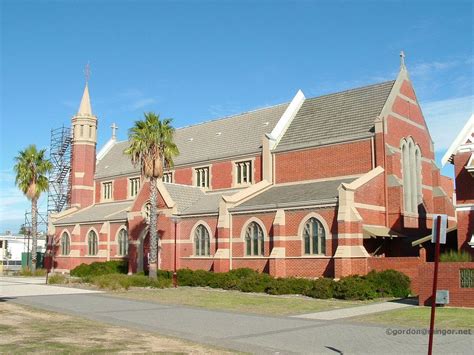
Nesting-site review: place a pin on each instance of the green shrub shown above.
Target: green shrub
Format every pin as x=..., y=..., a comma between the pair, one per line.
x=322, y=288
x=187, y=277
x=288, y=286
x=389, y=283
x=57, y=279
x=121, y=281
x=101, y=268
x=255, y=282
x=224, y=280
x=27, y=272
x=354, y=288
x=455, y=256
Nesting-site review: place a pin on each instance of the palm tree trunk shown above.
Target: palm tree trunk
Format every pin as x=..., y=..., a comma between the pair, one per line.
x=34, y=229
x=153, y=260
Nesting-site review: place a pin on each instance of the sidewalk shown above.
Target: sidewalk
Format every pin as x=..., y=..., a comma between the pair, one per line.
x=358, y=311
x=12, y=287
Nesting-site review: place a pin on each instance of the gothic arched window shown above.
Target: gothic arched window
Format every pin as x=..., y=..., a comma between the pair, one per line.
x=254, y=240
x=202, y=241
x=65, y=244
x=411, y=173
x=92, y=243
x=122, y=241
x=314, y=237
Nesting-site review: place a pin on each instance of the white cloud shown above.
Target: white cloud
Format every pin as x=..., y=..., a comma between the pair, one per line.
x=445, y=118
x=141, y=103
x=423, y=69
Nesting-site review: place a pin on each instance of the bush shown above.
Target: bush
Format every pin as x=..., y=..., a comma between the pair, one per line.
x=101, y=268
x=121, y=281
x=255, y=282
x=56, y=279
x=455, y=256
x=322, y=288
x=27, y=272
x=354, y=288
x=288, y=286
x=390, y=283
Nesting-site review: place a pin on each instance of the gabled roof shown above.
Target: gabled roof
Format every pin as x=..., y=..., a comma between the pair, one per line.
x=336, y=117
x=300, y=194
x=466, y=135
x=191, y=200
x=101, y=212
x=227, y=137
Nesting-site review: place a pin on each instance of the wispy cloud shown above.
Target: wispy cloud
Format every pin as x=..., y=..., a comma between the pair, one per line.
x=141, y=103
x=428, y=68
x=225, y=109
x=446, y=118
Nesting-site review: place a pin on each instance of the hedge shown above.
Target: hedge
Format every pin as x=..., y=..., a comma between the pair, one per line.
x=100, y=268
x=388, y=283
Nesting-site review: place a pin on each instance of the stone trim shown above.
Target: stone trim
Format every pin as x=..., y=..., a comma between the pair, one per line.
x=369, y=207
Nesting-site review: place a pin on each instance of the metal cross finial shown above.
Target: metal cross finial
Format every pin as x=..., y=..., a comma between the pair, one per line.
x=114, y=129
x=402, y=59
x=87, y=72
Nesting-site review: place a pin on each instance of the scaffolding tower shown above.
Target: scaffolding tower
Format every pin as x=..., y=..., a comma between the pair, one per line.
x=59, y=191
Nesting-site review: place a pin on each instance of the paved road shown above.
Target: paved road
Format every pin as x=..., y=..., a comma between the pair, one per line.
x=252, y=333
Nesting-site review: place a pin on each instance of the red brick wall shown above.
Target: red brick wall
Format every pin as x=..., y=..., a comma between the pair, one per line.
x=322, y=162
x=183, y=176
x=221, y=174
x=448, y=279
x=83, y=161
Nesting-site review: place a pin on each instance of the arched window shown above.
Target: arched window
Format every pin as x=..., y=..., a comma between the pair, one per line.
x=92, y=243
x=411, y=173
x=65, y=244
x=202, y=241
x=314, y=237
x=122, y=241
x=254, y=240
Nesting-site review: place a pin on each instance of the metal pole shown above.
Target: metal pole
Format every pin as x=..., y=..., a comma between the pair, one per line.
x=175, y=274
x=435, y=284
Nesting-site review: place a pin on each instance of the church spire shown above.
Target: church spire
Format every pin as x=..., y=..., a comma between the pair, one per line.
x=85, y=106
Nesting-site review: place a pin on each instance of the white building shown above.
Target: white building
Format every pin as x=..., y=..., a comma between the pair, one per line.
x=11, y=248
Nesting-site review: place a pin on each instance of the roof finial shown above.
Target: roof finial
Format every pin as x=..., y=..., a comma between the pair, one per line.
x=402, y=60
x=87, y=72
x=114, y=129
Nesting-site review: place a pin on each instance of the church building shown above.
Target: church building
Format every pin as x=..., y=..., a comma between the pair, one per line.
x=330, y=186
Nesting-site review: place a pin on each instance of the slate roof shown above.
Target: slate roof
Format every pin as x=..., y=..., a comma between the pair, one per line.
x=193, y=200
x=113, y=211
x=231, y=136
x=336, y=117
x=280, y=196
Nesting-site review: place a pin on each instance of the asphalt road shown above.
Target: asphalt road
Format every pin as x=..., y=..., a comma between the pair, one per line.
x=245, y=332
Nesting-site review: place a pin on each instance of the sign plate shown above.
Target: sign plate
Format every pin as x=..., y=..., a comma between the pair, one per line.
x=442, y=229
x=442, y=297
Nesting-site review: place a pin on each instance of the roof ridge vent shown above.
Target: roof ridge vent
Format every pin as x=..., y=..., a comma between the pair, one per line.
x=218, y=134
x=190, y=139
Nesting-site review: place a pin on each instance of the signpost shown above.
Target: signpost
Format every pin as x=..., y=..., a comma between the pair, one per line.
x=440, y=222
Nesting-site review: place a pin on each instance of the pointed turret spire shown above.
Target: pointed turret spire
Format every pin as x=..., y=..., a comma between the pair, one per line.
x=85, y=108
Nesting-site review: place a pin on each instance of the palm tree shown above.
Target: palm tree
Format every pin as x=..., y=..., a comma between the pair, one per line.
x=152, y=148
x=31, y=168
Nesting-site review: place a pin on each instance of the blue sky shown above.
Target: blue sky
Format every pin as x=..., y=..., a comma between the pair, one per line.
x=196, y=61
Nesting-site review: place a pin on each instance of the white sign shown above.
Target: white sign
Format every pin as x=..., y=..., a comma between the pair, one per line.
x=442, y=229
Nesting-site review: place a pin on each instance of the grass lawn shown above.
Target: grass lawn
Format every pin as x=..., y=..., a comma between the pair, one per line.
x=446, y=318
x=24, y=330
x=236, y=301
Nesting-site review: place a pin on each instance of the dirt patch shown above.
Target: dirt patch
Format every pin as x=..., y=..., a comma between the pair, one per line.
x=24, y=329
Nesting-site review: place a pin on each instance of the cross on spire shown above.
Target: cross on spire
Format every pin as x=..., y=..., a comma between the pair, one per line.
x=402, y=60
x=114, y=129
x=87, y=72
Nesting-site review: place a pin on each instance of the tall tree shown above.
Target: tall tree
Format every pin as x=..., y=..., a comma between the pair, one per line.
x=31, y=169
x=151, y=147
